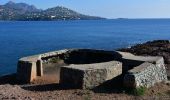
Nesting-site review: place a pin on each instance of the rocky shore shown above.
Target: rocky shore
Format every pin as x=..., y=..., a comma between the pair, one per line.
x=49, y=88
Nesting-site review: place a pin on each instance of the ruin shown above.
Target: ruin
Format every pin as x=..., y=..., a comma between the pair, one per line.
x=87, y=68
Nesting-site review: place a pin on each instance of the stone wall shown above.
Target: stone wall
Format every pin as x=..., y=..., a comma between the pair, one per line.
x=146, y=75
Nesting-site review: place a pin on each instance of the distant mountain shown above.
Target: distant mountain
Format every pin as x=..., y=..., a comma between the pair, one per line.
x=25, y=12
x=21, y=6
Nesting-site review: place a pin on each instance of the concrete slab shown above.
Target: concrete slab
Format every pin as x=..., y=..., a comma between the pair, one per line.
x=88, y=76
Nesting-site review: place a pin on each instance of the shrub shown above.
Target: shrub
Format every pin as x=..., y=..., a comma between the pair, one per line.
x=140, y=91
x=137, y=91
x=54, y=60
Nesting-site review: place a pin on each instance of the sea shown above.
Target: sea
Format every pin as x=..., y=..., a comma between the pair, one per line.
x=24, y=38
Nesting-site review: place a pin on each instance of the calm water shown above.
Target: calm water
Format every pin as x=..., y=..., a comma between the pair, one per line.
x=18, y=39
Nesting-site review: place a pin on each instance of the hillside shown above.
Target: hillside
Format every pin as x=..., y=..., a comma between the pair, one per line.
x=25, y=12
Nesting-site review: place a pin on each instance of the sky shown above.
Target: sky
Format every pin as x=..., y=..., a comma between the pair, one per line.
x=109, y=8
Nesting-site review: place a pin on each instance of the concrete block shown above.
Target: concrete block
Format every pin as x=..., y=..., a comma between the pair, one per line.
x=88, y=76
x=26, y=71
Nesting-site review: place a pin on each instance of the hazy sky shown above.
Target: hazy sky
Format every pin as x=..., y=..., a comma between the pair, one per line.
x=109, y=8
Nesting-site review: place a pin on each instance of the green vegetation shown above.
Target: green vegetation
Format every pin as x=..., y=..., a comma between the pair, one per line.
x=137, y=91
x=55, y=60
x=87, y=97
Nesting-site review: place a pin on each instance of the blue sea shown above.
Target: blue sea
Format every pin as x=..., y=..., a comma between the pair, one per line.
x=19, y=39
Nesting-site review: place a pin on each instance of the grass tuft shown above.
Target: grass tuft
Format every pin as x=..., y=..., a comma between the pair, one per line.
x=140, y=91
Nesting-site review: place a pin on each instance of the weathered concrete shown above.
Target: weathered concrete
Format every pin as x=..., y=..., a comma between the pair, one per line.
x=88, y=76
x=89, y=68
x=30, y=67
x=130, y=61
x=26, y=71
x=151, y=71
x=27, y=68
x=151, y=59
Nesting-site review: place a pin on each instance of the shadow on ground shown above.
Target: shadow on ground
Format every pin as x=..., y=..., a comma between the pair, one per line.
x=9, y=79
x=47, y=87
x=113, y=86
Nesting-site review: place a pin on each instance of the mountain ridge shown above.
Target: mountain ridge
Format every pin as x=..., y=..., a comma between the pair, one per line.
x=24, y=12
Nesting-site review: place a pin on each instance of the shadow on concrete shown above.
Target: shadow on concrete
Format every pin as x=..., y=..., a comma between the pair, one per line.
x=88, y=56
x=112, y=86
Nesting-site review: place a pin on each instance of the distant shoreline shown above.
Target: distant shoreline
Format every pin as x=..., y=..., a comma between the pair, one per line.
x=25, y=12
x=85, y=19
x=49, y=20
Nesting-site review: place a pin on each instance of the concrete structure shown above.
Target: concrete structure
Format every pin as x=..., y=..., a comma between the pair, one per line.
x=149, y=72
x=86, y=68
x=88, y=76
x=31, y=67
